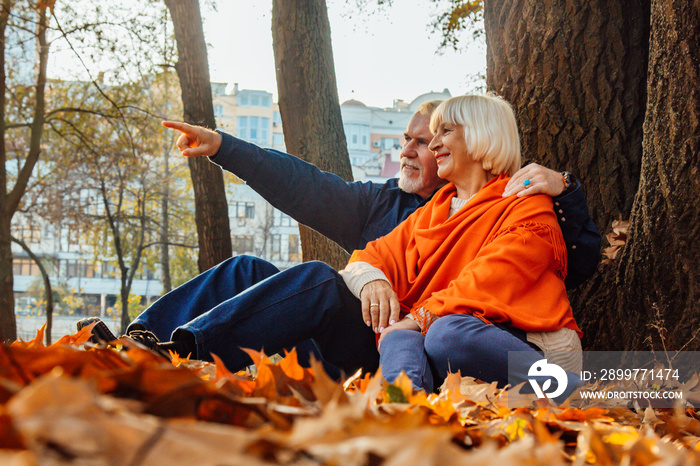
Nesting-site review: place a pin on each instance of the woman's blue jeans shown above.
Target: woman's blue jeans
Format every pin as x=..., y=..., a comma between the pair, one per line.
x=464, y=343
x=246, y=302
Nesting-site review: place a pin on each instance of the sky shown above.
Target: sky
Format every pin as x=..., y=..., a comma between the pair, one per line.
x=380, y=54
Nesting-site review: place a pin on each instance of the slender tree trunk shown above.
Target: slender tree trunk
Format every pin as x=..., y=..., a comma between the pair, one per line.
x=165, y=226
x=575, y=71
x=10, y=200
x=308, y=96
x=47, y=287
x=8, y=325
x=211, y=209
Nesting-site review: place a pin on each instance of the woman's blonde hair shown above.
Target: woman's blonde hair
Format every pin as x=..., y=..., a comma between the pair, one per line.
x=490, y=129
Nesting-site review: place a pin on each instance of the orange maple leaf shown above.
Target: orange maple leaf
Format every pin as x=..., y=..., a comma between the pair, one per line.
x=37, y=342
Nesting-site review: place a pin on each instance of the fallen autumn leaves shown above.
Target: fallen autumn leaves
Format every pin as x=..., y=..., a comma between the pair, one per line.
x=68, y=404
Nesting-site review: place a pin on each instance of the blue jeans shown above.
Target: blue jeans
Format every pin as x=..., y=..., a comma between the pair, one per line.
x=459, y=342
x=246, y=302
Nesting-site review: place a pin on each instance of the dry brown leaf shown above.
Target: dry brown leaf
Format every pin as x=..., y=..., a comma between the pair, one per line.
x=616, y=238
x=108, y=406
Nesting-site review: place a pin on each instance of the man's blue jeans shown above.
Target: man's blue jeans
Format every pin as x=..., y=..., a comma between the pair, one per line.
x=246, y=302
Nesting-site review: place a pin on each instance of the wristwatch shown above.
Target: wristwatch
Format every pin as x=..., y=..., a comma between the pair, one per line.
x=569, y=182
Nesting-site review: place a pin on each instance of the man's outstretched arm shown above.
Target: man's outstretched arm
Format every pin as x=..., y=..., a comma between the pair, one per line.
x=321, y=200
x=580, y=233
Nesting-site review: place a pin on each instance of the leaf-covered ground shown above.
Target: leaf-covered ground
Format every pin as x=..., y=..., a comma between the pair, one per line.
x=75, y=403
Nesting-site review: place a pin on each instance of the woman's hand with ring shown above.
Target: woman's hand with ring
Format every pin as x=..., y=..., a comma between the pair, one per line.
x=380, y=305
x=535, y=179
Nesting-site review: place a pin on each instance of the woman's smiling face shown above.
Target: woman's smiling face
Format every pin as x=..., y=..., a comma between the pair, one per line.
x=450, y=148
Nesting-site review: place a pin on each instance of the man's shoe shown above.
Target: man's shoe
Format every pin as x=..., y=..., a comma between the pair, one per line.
x=151, y=342
x=100, y=332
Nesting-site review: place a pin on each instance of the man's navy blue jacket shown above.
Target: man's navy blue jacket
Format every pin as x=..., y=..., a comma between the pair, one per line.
x=355, y=213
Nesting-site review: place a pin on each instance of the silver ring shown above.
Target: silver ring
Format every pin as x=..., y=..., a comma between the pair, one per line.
x=527, y=183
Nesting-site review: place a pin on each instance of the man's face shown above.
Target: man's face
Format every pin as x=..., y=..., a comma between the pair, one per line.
x=418, y=167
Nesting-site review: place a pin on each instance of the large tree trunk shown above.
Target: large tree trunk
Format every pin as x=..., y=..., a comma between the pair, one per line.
x=308, y=96
x=211, y=209
x=658, y=272
x=575, y=71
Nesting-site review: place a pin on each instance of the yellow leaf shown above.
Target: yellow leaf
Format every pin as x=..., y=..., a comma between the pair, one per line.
x=621, y=437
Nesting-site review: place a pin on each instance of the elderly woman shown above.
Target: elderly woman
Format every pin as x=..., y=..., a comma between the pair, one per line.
x=474, y=274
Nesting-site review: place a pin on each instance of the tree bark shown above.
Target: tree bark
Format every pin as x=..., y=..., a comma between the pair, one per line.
x=593, y=94
x=309, y=106
x=658, y=269
x=575, y=71
x=8, y=325
x=211, y=208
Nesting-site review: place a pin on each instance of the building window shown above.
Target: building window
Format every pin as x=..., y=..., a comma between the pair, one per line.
x=388, y=143
x=248, y=99
x=294, y=253
x=282, y=220
x=28, y=234
x=25, y=267
x=242, y=127
x=276, y=118
x=253, y=129
x=275, y=247
x=245, y=209
x=277, y=140
x=242, y=244
x=218, y=110
x=264, y=131
x=79, y=269
x=357, y=136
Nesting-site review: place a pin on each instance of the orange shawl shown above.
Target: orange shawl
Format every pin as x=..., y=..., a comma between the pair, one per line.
x=500, y=259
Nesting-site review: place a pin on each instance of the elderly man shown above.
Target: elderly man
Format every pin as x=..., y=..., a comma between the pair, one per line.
x=202, y=317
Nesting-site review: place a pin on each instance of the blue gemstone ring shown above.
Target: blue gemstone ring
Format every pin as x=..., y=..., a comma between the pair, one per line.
x=526, y=183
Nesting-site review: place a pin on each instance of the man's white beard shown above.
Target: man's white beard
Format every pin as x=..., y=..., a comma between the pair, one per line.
x=411, y=185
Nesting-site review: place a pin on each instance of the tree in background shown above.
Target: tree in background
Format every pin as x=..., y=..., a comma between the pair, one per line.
x=609, y=91
x=97, y=35
x=211, y=209
x=308, y=97
x=26, y=149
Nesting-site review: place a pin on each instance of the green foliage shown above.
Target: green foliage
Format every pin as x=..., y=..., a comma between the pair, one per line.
x=135, y=305
x=183, y=265
x=457, y=17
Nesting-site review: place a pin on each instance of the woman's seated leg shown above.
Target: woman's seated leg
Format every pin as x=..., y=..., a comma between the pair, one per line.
x=201, y=294
x=464, y=343
x=467, y=344
x=402, y=350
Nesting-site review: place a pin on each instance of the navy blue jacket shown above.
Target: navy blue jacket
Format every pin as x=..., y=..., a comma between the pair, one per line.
x=355, y=213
